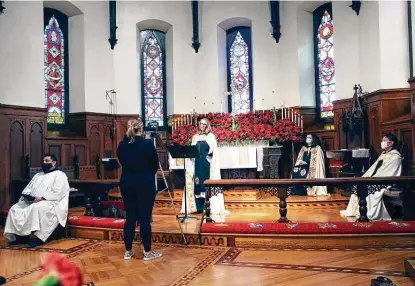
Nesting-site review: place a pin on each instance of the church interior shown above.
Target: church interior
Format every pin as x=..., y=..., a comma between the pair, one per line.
x=312, y=109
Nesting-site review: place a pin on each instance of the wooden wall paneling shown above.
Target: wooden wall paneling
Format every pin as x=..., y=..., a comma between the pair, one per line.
x=18, y=140
x=412, y=99
x=17, y=148
x=5, y=154
x=374, y=128
x=385, y=106
x=80, y=150
x=56, y=150
x=309, y=115
x=94, y=144
x=36, y=143
x=108, y=142
x=68, y=154
x=340, y=138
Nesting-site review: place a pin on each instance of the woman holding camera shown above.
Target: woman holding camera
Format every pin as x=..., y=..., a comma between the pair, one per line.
x=139, y=161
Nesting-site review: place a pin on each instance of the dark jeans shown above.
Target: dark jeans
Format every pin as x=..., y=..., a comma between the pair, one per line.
x=138, y=204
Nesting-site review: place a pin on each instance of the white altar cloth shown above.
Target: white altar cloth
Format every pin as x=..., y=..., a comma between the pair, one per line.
x=232, y=157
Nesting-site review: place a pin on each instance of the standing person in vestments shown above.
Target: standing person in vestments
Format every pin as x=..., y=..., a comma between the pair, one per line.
x=41, y=208
x=139, y=161
x=388, y=164
x=205, y=167
x=310, y=164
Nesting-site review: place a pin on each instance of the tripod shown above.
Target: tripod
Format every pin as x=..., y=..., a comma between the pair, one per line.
x=154, y=136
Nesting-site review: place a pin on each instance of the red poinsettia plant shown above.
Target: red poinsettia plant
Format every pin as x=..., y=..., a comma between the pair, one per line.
x=243, y=128
x=59, y=270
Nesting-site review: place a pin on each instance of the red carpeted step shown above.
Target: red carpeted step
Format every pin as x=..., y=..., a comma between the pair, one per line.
x=311, y=227
x=99, y=222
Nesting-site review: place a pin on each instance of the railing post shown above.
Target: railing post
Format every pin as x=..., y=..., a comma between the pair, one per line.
x=282, y=195
x=362, y=194
x=207, y=202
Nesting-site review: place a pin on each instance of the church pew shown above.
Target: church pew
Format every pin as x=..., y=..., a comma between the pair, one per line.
x=278, y=188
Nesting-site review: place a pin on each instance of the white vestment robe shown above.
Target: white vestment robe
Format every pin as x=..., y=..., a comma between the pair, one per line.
x=317, y=169
x=217, y=203
x=376, y=210
x=42, y=217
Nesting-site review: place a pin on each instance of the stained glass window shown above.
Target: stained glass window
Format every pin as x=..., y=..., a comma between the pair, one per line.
x=239, y=70
x=153, y=76
x=54, y=64
x=325, y=69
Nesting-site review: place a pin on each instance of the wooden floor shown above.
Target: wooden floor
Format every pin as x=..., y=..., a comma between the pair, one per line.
x=102, y=263
x=301, y=208
x=333, y=261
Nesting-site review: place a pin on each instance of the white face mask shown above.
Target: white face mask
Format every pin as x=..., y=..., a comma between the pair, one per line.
x=384, y=145
x=309, y=141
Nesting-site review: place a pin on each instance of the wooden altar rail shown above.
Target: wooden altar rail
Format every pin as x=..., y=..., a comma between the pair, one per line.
x=96, y=188
x=278, y=187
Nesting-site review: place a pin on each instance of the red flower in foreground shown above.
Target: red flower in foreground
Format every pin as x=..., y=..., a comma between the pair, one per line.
x=59, y=270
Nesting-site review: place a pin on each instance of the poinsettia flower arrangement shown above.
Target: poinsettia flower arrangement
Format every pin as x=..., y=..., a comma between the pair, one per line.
x=59, y=270
x=241, y=129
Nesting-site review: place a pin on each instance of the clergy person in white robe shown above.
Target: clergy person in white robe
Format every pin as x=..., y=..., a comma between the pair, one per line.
x=388, y=164
x=311, y=161
x=41, y=208
x=206, y=167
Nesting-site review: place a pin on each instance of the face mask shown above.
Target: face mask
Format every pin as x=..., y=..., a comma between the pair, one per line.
x=46, y=167
x=309, y=141
x=385, y=145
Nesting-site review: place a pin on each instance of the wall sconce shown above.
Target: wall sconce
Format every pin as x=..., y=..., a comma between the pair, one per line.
x=111, y=96
x=2, y=8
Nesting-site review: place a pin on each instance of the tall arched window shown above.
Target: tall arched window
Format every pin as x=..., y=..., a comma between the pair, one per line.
x=153, y=77
x=324, y=61
x=56, y=66
x=239, y=67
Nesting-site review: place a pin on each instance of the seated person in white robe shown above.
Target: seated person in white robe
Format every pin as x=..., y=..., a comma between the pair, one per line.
x=203, y=168
x=41, y=208
x=388, y=164
x=310, y=164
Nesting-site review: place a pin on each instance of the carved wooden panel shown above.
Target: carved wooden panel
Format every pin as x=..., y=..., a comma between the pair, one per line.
x=68, y=155
x=108, y=143
x=94, y=144
x=57, y=151
x=374, y=128
x=16, y=149
x=36, y=144
x=81, y=152
x=406, y=138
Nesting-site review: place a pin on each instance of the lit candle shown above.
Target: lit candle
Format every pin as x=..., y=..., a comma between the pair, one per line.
x=221, y=107
x=301, y=124
x=292, y=115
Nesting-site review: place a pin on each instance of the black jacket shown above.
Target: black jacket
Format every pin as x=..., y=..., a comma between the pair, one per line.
x=139, y=163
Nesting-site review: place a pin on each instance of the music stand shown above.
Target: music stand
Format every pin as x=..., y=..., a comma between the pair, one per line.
x=183, y=152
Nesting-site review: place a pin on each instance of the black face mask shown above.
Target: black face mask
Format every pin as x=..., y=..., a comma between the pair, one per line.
x=46, y=167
